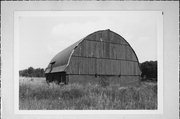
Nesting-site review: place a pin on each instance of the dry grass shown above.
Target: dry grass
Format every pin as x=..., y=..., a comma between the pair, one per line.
x=37, y=95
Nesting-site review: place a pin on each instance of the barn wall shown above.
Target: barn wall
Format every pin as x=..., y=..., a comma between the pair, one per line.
x=104, y=53
x=83, y=65
x=110, y=80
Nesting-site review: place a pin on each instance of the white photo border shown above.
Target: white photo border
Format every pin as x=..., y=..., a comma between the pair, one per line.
x=169, y=45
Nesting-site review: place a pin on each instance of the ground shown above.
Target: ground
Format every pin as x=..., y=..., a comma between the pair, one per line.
x=35, y=94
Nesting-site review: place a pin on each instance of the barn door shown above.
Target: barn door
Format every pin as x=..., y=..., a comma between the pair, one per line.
x=63, y=77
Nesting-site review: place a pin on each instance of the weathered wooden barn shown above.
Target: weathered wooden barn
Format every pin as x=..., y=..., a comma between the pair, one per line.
x=101, y=56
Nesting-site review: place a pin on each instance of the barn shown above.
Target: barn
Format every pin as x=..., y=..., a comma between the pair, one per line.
x=103, y=56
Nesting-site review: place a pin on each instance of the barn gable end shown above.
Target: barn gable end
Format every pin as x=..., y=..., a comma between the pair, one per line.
x=100, y=54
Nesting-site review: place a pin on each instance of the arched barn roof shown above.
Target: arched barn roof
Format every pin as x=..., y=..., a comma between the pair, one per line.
x=61, y=60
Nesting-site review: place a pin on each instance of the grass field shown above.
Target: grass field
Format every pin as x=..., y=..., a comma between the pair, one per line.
x=37, y=95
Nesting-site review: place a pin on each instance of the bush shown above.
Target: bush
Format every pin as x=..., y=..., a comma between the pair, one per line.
x=149, y=70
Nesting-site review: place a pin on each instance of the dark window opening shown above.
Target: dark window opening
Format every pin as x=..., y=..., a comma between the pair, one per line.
x=58, y=78
x=52, y=63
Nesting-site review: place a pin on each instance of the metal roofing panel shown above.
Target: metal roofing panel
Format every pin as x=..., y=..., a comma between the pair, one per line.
x=56, y=69
x=60, y=61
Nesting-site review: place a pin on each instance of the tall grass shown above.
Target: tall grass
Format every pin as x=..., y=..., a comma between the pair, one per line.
x=39, y=96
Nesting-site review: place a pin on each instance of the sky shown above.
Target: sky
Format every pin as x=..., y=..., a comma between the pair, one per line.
x=43, y=35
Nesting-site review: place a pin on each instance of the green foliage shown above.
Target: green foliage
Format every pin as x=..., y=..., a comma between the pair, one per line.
x=31, y=72
x=149, y=70
x=37, y=95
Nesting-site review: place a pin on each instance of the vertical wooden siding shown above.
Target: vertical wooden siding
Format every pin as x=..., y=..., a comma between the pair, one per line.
x=104, y=53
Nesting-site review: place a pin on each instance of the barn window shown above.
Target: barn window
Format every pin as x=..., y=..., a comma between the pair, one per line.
x=75, y=47
x=52, y=63
x=62, y=78
x=51, y=66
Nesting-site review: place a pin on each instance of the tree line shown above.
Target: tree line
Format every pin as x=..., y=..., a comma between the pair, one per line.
x=148, y=69
x=32, y=72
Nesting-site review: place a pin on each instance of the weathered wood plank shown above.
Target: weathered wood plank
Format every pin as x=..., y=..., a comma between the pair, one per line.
x=112, y=52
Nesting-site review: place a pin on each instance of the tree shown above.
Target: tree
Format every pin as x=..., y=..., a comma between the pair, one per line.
x=149, y=70
x=31, y=72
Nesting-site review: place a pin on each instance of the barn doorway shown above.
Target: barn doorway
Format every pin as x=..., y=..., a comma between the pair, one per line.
x=62, y=77
x=58, y=78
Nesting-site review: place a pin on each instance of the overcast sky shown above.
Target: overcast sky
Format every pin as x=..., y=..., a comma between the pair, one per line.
x=42, y=36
